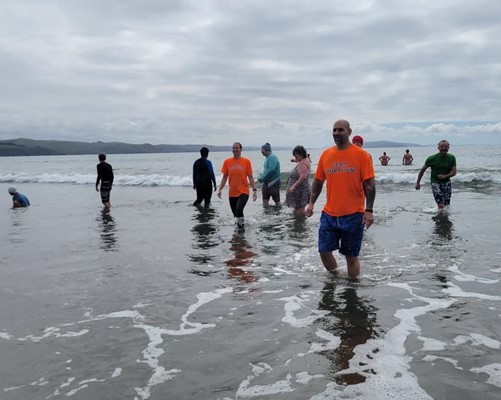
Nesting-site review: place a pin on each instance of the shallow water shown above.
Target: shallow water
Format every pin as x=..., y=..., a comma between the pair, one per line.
x=156, y=299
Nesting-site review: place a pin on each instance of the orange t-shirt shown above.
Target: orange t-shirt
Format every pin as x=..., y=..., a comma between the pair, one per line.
x=238, y=171
x=344, y=171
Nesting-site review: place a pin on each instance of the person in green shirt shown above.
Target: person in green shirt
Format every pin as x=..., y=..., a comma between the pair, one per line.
x=443, y=168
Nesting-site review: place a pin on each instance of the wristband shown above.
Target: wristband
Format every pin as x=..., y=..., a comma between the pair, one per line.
x=369, y=210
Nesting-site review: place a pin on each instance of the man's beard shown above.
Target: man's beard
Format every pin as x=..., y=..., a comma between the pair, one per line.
x=339, y=140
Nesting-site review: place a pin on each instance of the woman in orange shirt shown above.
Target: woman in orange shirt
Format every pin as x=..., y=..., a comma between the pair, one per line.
x=238, y=170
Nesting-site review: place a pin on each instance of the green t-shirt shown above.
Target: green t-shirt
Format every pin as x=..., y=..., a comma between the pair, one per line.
x=440, y=165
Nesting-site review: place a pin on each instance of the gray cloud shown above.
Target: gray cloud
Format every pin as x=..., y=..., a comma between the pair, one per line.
x=212, y=72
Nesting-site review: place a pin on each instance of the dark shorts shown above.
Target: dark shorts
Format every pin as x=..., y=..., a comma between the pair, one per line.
x=341, y=233
x=272, y=191
x=105, y=191
x=442, y=192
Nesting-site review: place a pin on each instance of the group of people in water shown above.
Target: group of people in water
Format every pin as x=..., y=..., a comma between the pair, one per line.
x=407, y=159
x=104, y=183
x=351, y=188
x=238, y=173
x=346, y=168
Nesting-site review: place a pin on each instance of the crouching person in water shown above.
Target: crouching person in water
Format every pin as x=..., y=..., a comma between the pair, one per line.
x=18, y=199
x=105, y=176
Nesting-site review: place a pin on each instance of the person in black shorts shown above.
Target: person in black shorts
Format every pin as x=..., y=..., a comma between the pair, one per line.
x=105, y=176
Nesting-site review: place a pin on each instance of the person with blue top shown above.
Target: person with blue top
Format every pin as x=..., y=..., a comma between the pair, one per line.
x=203, y=178
x=18, y=199
x=270, y=177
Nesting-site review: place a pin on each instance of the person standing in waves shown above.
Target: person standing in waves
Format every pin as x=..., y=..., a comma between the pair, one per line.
x=384, y=159
x=106, y=177
x=270, y=178
x=298, y=185
x=238, y=170
x=443, y=168
x=203, y=178
x=351, y=191
x=407, y=158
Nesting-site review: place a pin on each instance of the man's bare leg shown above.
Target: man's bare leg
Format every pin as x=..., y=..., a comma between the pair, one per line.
x=353, y=266
x=329, y=261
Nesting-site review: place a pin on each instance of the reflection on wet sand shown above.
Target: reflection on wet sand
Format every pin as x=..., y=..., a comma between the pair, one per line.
x=444, y=227
x=205, y=238
x=272, y=231
x=243, y=256
x=299, y=229
x=447, y=247
x=15, y=230
x=204, y=230
x=353, y=320
x=108, y=231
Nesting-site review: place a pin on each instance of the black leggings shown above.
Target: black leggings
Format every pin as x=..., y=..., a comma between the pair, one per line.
x=237, y=205
x=204, y=193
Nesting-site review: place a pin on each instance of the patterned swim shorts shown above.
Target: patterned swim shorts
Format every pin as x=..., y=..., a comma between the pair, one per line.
x=442, y=192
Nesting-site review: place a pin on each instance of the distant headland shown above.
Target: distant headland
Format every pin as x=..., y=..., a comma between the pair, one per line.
x=30, y=147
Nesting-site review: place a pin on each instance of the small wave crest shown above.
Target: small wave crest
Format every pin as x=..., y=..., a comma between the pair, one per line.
x=86, y=179
x=466, y=177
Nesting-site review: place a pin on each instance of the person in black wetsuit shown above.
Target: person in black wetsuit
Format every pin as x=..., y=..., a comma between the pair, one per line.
x=105, y=176
x=203, y=178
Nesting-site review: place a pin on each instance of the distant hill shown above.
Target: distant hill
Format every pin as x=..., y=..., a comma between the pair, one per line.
x=30, y=147
x=385, y=143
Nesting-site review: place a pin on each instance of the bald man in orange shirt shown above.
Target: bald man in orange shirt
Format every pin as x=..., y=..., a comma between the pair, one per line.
x=351, y=191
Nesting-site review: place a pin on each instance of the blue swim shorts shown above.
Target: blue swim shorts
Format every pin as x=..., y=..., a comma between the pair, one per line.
x=341, y=233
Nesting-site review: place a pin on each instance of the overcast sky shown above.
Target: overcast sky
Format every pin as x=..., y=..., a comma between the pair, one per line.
x=215, y=72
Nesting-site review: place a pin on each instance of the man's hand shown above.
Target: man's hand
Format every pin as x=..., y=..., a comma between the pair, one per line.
x=418, y=186
x=218, y=194
x=308, y=211
x=254, y=195
x=97, y=190
x=368, y=219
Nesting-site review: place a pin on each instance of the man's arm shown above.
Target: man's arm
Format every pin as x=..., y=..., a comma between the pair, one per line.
x=316, y=189
x=370, y=195
x=195, y=174
x=212, y=174
x=268, y=168
x=98, y=179
x=420, y=175
x=451, y=173
x=370, y=192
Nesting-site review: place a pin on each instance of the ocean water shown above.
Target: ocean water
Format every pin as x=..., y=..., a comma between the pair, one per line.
x=157, y=299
